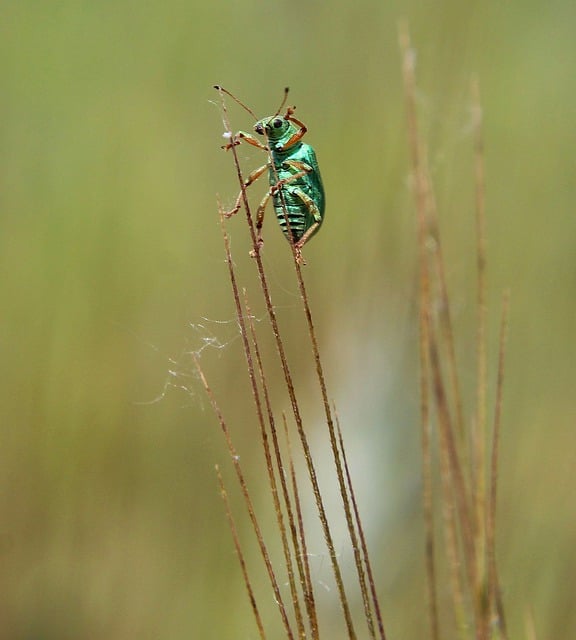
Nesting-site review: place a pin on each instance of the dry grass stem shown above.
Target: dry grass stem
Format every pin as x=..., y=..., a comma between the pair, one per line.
x=424, y=324
x=247, y=500
x=364, y=547
x=468, y=512
x=494, y=582
x=240, y=555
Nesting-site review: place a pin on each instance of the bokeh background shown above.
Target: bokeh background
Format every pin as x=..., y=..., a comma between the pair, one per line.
x=112, y=271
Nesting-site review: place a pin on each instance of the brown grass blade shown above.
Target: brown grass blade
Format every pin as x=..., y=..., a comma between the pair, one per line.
x=240, y=555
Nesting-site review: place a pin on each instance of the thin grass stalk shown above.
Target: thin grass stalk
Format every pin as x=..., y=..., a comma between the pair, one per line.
x=334, y=448
x=292, y=394
x=301, y=531
x=359, y=560
x=448, y=433
x=479, y=438
x=263, y=433
x=362, y=537
x=460, y=442
x=494, y=582
x=450, y=529
x=428, y=340
x=247, y=499
x=306, y=588
x=424, y=325
x=445, y=313
x=240, y=555
x=335, y=453
x=475, y=508
x=451, y=435
x=457, y=479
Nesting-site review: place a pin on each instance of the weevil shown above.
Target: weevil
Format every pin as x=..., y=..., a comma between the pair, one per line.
x=296, y=188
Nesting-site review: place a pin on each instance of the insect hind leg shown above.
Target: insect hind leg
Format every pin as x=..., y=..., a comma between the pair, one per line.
x=314, y=211
x=316, y=215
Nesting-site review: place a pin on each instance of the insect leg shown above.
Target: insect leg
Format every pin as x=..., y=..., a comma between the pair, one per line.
x=303, y=170
x=252, y=177
x=260, y=220
x=313, y=209
x=296, y=136
x=273, y=191
x=247, y=137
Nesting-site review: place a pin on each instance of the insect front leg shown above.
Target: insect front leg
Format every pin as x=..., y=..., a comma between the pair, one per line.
x=241, y=136
x=298, y=135
x=252, y=177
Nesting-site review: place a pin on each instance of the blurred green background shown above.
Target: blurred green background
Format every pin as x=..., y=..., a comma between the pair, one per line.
x=112, y=272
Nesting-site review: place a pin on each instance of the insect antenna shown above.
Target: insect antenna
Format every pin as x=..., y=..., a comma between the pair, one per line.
x=286, y=91
x=222, y=90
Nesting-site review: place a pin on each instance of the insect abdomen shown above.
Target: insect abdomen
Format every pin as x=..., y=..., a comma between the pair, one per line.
x=300, y=202
x=299, y=219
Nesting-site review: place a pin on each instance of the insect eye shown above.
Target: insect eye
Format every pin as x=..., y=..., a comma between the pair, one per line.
x=277, y=123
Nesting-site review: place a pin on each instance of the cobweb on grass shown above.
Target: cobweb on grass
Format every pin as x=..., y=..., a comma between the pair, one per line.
x=181, y=374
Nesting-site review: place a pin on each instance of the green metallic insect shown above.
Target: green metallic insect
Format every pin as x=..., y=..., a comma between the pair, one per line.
x=296, y=187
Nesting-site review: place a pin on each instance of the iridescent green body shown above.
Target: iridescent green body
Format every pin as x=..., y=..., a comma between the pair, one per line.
x=296, y=169
x=296, y=187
